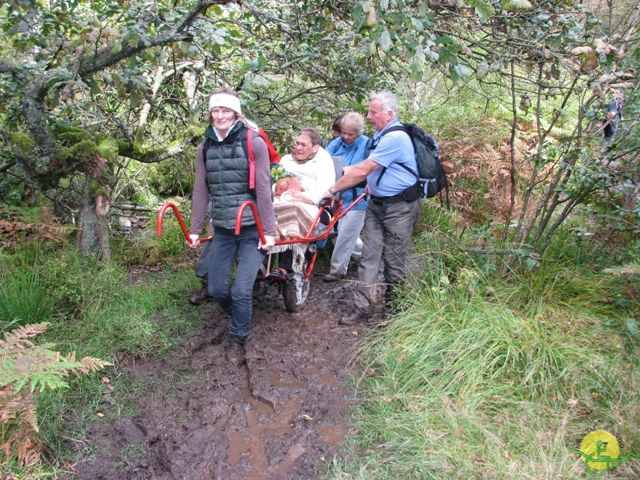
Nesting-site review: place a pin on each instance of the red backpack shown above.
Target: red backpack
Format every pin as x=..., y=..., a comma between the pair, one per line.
x=274, y=158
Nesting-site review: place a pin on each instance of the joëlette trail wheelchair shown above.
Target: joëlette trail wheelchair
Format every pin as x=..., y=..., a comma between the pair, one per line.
x=294, y=275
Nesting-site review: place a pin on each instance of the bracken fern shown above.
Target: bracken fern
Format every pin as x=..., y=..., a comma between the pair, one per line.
x=24, y=364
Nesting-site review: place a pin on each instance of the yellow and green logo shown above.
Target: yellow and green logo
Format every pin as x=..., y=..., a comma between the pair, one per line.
x=600, y=451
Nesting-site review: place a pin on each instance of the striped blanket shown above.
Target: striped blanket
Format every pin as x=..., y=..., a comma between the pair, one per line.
x=293, y=218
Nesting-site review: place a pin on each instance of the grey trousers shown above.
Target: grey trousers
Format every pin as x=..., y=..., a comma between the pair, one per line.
x=349, y=228
x=388, y=228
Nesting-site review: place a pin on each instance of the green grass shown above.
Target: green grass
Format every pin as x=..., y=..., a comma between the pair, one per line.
x=23, y=299
x=481, y=376
x=147, y=319
x=95, y=310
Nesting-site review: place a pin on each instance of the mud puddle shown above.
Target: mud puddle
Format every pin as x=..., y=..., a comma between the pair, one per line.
x=281, y=414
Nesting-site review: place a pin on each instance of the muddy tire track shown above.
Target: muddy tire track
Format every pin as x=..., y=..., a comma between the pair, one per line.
x=281, y=414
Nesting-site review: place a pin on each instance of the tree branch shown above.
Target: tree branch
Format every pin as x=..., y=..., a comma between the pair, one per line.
x=110, y=56
x=7, y=166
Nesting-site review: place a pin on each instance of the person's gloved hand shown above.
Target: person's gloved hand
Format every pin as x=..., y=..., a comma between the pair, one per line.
x=194, y=240
x=269, y=241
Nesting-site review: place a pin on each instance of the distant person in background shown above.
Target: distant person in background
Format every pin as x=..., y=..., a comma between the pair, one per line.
x=217, y=192
x=351, y=146
x=335, y=127
x=612, y=118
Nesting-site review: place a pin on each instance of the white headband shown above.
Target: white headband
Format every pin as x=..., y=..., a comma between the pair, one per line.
x=225, y=100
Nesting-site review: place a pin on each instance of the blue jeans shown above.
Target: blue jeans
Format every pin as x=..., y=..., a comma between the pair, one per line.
x=226, y=248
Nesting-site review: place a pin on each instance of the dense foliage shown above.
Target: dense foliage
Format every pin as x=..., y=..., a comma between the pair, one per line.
x=89, y=88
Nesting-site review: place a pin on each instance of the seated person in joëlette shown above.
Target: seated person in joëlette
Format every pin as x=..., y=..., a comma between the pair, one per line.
x=310, y=172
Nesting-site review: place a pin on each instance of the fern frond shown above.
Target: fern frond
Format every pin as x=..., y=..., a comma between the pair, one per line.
x=22, y=364
x=88, y=365
x=17, y=339
x=28, y=447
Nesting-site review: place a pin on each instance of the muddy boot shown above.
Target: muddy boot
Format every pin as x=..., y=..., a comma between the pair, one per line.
x=200, y=296
x=234, y=351
x=354, y=317
x=333, y=277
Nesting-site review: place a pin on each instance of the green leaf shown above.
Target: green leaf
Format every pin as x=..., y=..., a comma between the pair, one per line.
x=418, y=26
x=432, y=55
x=385, y=41
x=459, y=71
x=484, y=10
x=516, y=5
x=416, y=71
x=482, y=70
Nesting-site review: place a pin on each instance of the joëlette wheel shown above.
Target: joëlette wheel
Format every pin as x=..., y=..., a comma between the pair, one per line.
x=295, y=292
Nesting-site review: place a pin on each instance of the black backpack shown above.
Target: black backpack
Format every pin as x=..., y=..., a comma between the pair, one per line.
x=431, y=176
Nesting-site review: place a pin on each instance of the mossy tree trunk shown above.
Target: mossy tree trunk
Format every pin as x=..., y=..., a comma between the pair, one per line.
x=93, y=234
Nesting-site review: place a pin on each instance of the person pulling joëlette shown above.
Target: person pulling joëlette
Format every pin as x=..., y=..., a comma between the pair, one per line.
x=221, y=186
x=393, y=207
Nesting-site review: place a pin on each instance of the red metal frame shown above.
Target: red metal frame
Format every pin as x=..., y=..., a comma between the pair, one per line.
x=309, y=238
x=176, y=212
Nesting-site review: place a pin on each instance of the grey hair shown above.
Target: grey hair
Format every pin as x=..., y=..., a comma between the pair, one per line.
x=353, y=119
x=313, y=135
x=387, y=100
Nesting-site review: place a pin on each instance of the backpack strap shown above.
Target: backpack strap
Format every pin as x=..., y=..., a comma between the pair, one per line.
x=252, y=160
x=397, y=128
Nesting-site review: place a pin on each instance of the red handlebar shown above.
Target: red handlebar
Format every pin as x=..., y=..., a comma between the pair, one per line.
x=339, y=213
x=254, y=210
x=176, y=212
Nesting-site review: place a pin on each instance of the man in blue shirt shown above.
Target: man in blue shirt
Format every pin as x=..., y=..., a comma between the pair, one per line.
x=393, y=208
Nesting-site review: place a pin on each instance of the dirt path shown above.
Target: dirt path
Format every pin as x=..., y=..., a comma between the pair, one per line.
x=280, y=415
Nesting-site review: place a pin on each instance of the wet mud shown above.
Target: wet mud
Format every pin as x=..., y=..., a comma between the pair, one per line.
x=281, y=413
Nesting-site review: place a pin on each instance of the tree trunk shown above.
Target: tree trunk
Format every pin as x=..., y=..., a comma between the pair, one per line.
x=93, y=235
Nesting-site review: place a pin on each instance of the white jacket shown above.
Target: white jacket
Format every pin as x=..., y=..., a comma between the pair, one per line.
x=315, y=175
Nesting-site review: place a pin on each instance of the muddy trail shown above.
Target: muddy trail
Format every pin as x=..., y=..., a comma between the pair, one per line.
x=280, y=414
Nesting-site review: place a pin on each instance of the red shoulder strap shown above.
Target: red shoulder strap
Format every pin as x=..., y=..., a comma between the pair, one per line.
x=252, y=159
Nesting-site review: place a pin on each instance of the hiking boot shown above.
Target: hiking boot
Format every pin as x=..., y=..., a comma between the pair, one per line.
x=234, y=352
x=332, y=277
x=199, y=297
x=354, y=317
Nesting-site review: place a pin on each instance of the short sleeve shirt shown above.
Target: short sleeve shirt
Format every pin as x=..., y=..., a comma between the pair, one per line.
x=392, y=150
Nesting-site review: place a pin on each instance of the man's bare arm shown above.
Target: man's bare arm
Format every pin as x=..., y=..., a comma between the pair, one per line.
x=353, y=176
